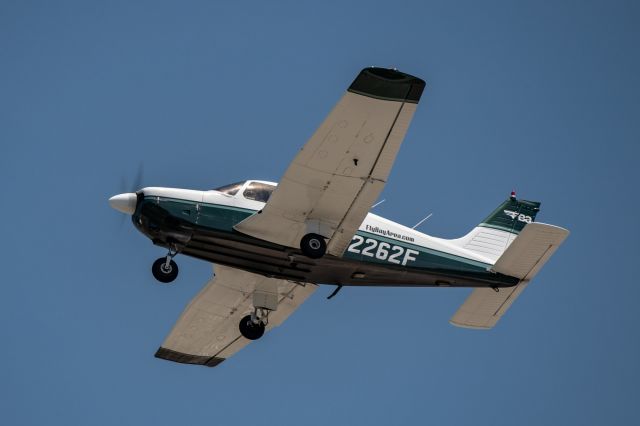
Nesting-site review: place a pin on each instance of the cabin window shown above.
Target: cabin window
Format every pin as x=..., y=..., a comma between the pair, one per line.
x=258, y=191
x=231, y=189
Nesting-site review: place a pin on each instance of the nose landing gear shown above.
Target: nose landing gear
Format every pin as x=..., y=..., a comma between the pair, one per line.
x=165, y=269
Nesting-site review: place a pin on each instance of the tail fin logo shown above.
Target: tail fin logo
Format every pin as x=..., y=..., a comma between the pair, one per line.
x=519, y=216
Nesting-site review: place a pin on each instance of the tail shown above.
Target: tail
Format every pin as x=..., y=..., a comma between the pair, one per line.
x=534, y=245
x=494, y=234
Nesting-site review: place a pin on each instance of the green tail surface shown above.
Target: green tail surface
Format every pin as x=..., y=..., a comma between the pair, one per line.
x=512, y=215
x=494, y=234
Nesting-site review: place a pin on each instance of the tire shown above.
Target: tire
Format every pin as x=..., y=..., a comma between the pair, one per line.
x=164, y=275
x=250, y=330
x=313, y=246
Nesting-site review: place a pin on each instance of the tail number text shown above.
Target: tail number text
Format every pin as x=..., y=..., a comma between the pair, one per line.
x=382, y=250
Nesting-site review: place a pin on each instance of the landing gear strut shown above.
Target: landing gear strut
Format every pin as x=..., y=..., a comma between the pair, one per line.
x=252, y=326
x=313, y=246
x=165, y=269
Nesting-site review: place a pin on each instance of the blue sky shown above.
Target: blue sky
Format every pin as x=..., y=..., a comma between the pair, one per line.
x=540, y=97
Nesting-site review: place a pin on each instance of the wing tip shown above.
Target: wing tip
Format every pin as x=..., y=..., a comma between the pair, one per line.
x=469, y=326
x=388, y=84
x=183, y=358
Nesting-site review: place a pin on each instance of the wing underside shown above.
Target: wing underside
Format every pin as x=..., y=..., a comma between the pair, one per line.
x=332, y=183
x=207, y=332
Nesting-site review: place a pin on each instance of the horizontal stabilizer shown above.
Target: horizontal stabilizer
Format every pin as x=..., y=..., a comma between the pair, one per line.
x=530, y=251
x=523, y=259
x=484, y=307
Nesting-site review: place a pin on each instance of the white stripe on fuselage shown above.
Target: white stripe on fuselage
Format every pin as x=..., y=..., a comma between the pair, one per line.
x=372, y=224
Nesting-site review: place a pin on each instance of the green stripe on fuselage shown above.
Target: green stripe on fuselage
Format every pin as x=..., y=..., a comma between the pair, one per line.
x=222, y=218
x=214, y=216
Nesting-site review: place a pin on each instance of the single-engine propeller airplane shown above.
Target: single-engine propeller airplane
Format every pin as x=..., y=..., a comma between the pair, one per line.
x=274, y=243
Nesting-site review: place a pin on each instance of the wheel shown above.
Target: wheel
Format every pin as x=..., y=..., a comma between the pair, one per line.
x=313, y=246
x=162, y=273
x=250, y=330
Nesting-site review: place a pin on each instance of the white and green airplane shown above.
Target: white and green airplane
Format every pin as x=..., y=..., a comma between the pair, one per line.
x=274, y=243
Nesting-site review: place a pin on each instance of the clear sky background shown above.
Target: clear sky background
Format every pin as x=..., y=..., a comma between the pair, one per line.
x=542, y=97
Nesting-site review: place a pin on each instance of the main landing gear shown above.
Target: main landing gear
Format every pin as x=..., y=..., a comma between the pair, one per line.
x=252, y=326
x=313, y=246
x=165, y=269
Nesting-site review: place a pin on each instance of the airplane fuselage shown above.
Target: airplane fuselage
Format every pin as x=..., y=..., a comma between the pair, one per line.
x=382, y=253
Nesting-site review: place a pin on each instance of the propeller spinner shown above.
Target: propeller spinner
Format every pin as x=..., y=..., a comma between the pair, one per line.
x=125, y=203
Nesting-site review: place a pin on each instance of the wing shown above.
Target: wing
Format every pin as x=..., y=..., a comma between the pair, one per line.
x=332, y=183
x=207, y=332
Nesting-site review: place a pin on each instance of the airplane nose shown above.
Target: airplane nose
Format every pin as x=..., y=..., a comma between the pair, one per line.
x=126, y=203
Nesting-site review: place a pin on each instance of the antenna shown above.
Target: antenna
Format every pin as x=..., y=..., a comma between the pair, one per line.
x=378, y=203
x=420, y=223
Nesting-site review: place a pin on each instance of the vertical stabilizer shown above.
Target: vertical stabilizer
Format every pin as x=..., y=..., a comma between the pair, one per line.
x=494, y=234
x=512, y=215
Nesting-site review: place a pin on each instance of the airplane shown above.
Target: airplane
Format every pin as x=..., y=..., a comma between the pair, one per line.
x=272, y=244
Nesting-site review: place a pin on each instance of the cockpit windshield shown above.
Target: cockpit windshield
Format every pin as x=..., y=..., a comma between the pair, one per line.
x=258, y=191
x=231, y=189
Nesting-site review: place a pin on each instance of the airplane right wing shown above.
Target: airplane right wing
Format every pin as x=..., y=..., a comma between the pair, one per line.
x=334, y=180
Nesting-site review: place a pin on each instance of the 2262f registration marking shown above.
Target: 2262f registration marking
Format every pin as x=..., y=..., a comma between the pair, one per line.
x=382, y=250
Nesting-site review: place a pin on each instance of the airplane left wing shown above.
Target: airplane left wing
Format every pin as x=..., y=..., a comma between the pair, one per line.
x=332, y=183
x=207, y=332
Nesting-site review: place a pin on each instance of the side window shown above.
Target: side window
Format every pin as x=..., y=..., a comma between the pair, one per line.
x=231, y=189
x=258, y=191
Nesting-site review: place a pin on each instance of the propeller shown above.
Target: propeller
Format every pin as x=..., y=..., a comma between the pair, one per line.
x=135, y=184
